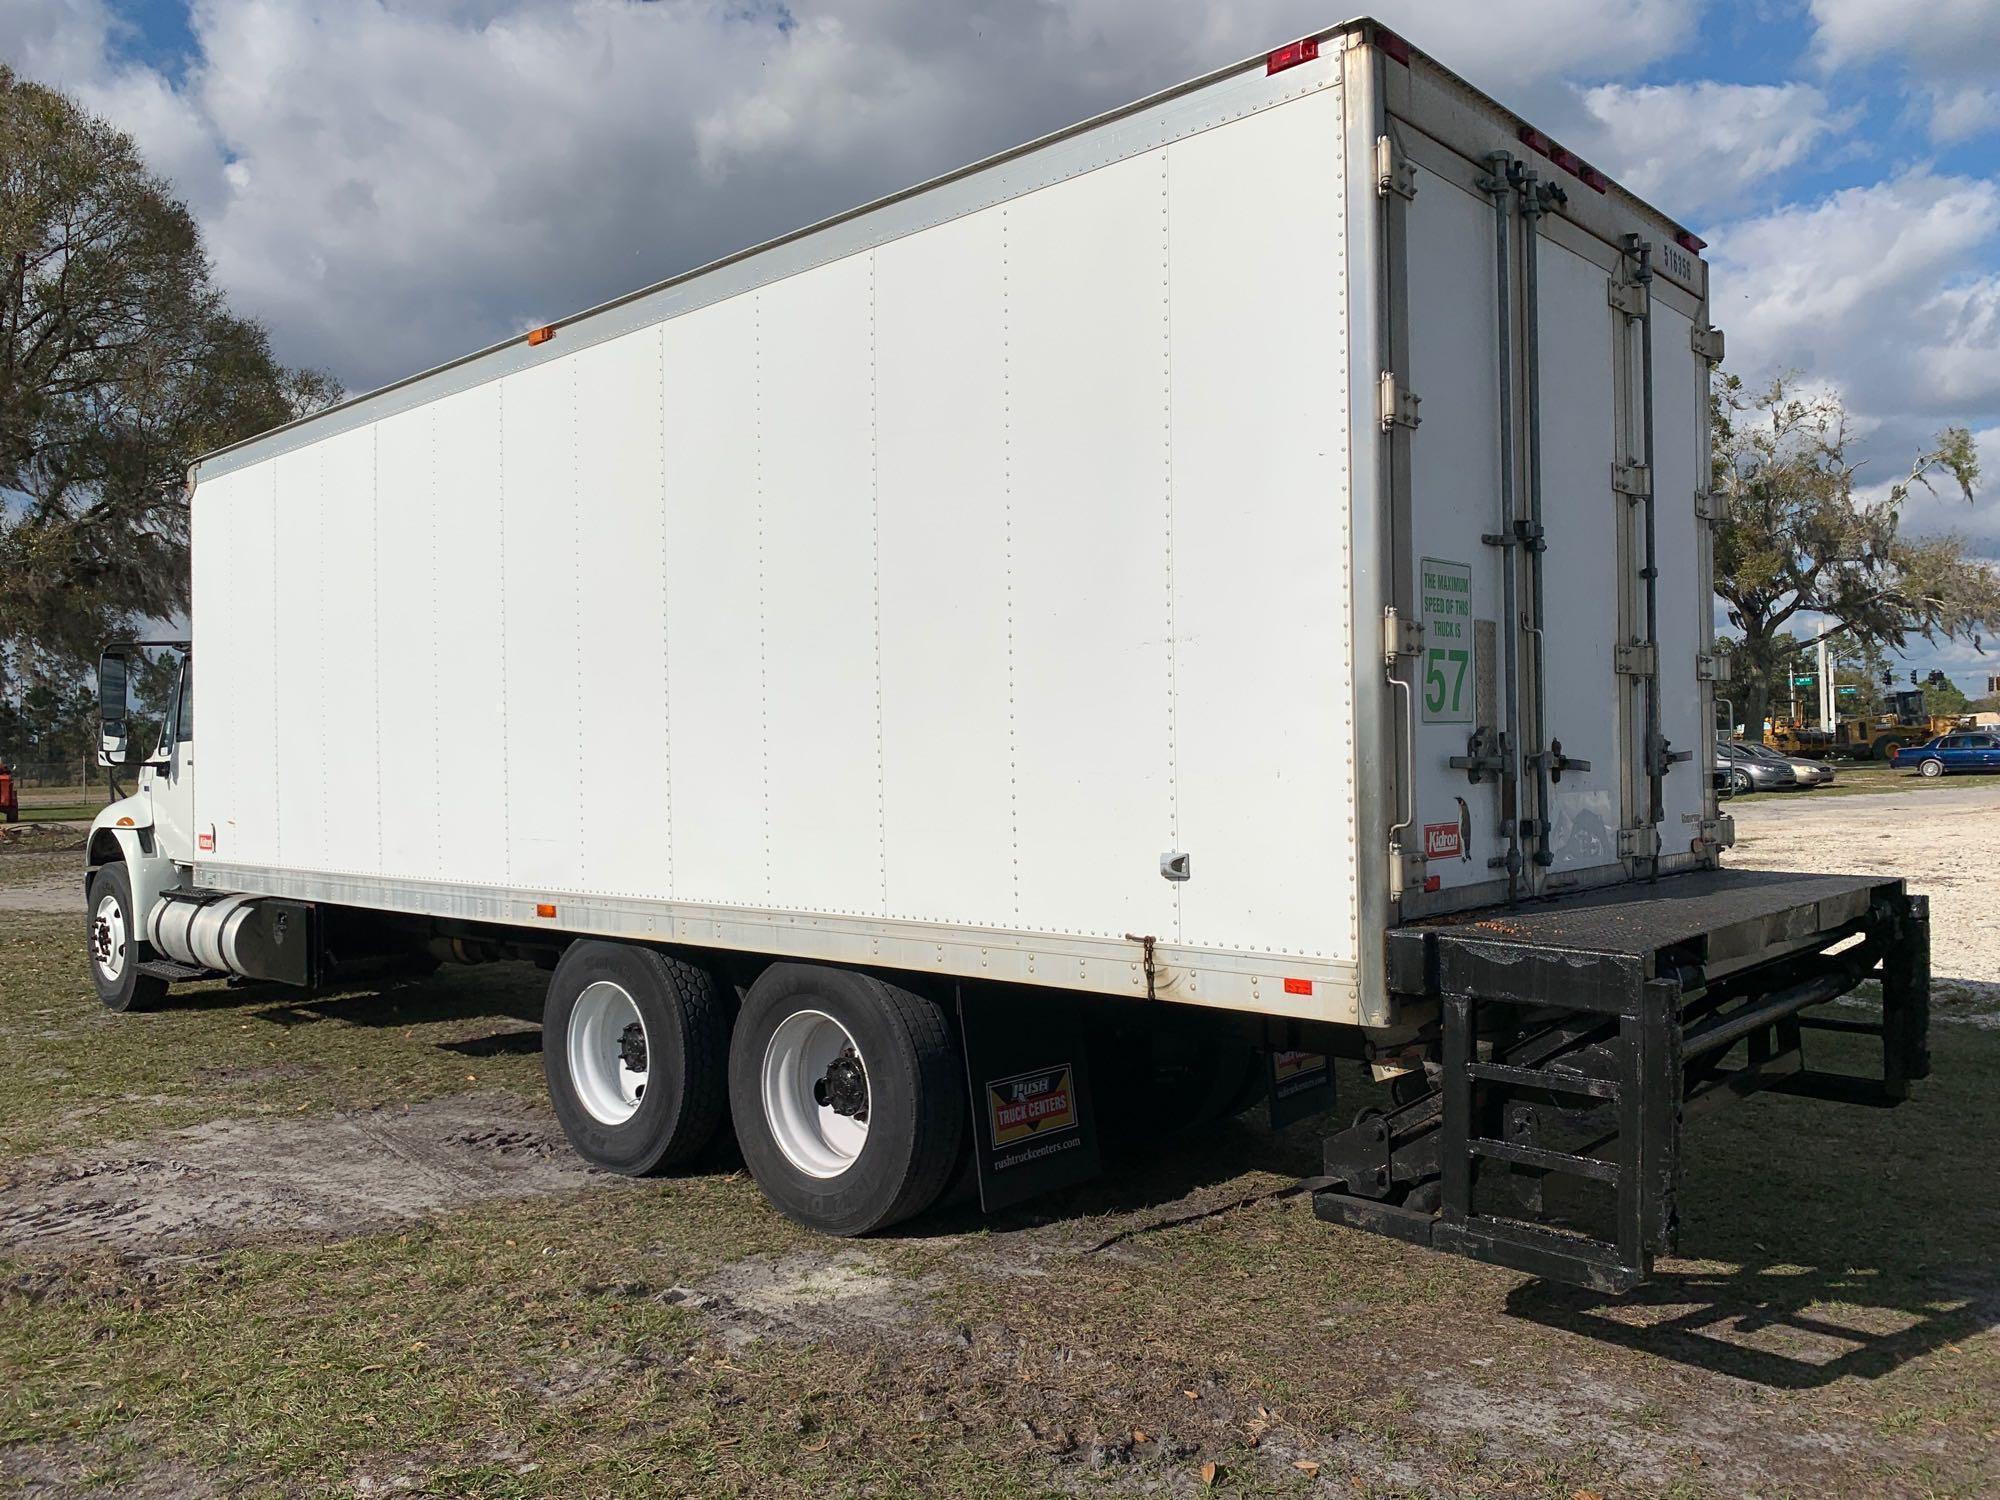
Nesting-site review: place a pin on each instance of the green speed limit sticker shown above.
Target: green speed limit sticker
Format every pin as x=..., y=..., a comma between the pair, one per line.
x=1446, y=686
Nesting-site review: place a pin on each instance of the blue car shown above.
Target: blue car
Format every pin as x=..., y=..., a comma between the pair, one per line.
x=1963, y=750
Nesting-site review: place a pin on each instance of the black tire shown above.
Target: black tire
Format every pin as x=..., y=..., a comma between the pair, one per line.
x=686, y=1013
x=130, y=990
x=915, y=1097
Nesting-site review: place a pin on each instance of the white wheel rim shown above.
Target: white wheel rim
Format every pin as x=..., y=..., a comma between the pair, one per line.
x=815, y=1137
x=1932, y=768
x=600, y=1060
x=107, y=938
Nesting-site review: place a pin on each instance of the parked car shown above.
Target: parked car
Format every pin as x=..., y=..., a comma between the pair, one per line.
x=1966, y=750
x=1752, y=773
x=1809, y=772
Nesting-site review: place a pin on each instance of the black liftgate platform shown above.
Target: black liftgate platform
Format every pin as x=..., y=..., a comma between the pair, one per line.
x=1579, y=1033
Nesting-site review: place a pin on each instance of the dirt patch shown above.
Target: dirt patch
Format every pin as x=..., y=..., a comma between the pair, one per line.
x=1947, y=843
x=34, y=879
x=42, y=838
x=235, y=1180
x=805, y=1297
x=92, y=1467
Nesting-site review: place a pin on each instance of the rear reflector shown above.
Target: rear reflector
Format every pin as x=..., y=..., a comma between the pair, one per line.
x=1394, y=45
x=1298, y=986
x=544, y=909
x=1563, y=157
x=1291, y=55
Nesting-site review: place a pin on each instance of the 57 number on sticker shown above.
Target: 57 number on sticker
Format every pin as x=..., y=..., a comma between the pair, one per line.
x=1446, y=596
x=1445, y=671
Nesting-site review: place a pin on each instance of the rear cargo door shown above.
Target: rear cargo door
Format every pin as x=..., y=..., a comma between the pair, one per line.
x=1453, y=581
x=1685, y=625
x=1579, y=428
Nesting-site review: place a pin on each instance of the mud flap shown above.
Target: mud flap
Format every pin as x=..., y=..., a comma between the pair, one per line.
x=1034, y=1125
x=1301, y=1086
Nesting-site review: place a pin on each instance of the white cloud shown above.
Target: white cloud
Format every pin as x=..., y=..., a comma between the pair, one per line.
x=1876, y=287
x=1697, y=147
x=388, y=183
x=1885, y=294
x=1949, y=50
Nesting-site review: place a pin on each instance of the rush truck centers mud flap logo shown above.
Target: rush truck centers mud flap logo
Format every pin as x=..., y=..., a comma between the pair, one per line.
x=1028, y=1109
x=1301, y=1085
x=1034, y=1124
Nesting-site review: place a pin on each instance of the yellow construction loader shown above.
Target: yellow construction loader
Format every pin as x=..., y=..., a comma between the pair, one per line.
x=1874, y=736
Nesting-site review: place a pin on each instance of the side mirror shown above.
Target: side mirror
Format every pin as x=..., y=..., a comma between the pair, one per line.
x=112, y=679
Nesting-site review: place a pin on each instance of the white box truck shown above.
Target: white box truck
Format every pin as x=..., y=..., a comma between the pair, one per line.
x=1219, y=588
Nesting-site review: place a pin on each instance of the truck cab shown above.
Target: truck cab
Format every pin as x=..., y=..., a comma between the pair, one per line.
x=141, y=842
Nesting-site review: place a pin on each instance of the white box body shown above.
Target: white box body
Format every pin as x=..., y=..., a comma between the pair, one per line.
x=904, y=592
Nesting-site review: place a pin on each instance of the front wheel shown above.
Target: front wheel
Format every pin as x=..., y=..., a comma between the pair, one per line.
x=1740, y=782
x=113, y=941
x=848, y=1096
x=635, y=1047
x=1930, y=768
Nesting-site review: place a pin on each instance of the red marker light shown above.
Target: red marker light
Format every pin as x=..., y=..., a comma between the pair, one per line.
x=1291, y=55
x=1534, y=140
x=1298, y=986
x=1394, y=45
x=1694, y=244
x=545, y=909
x=540, y=336
x=1592, y=178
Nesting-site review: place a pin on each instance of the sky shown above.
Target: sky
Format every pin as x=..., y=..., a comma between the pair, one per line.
x=391, y=183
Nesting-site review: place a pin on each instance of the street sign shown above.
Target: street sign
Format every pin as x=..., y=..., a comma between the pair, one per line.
x=1805, y=681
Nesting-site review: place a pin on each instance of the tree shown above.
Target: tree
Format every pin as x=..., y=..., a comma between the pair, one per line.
x=119, y=365
x=1943, y=698
x=1860, y=670
x=1797, y=539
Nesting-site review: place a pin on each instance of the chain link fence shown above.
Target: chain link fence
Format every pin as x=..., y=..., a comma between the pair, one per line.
x=40, y=783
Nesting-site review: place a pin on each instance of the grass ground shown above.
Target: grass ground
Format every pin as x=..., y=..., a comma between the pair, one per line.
x=604, y=1337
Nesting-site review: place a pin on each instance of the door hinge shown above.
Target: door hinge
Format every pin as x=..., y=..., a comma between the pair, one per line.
x=1399, y=406
x=1629, y=297
x=1711, y=506
x=1631, y=480
x=1642, y=842
x=1394, y=172
x=1707, y=342
x=1718, y=832
x=1711, y=666
x=1400, y=637
x=1635, y=661
x=1407, y=868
